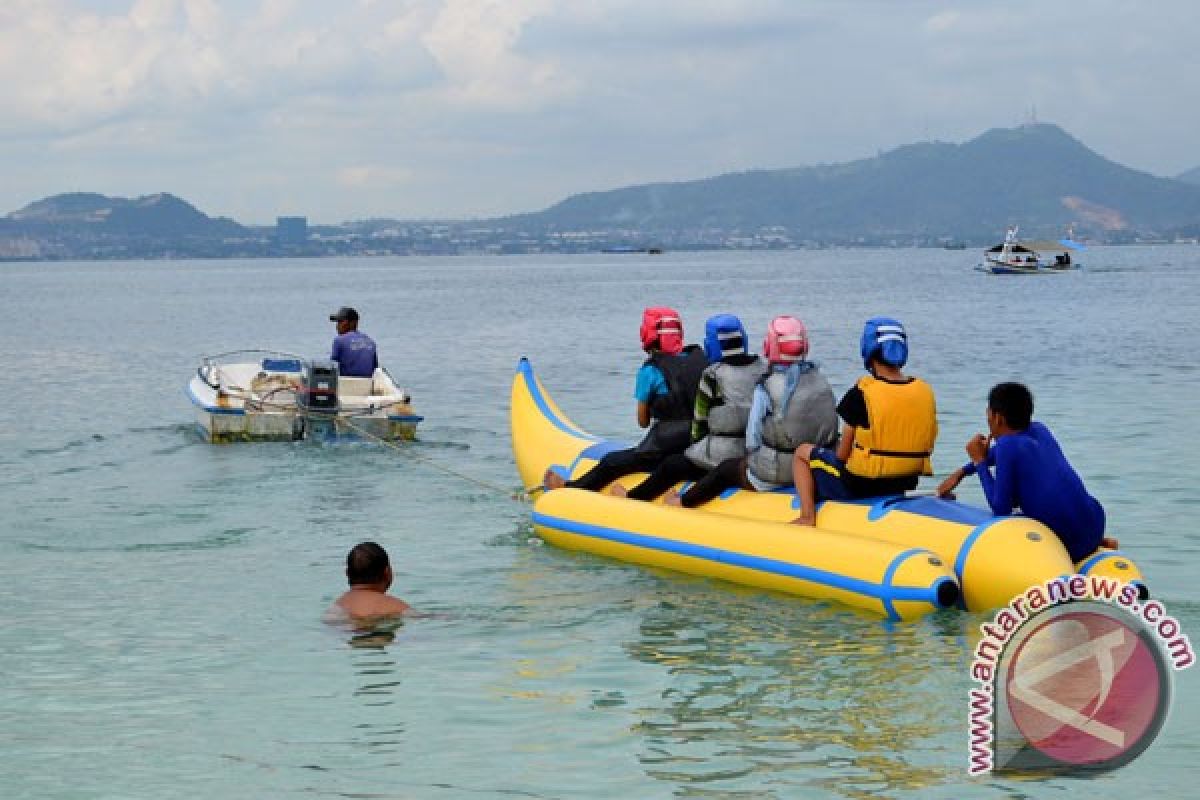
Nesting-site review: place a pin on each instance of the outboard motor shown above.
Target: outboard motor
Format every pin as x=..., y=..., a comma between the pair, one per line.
x=319, y=390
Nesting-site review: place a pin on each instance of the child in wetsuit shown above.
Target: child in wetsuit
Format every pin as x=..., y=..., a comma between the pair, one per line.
x=720, y=413
x=665, y=390
x=793, y=403
x=1031, y=473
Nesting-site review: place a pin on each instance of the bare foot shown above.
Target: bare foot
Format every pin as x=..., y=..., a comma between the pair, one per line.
x=808, y=520
x=1110, y=543
x=673, y=499
x=552, y=480
x=618, y=490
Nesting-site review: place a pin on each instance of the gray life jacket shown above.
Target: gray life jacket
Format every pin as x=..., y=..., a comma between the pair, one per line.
x=727, y=419
x=811, y=417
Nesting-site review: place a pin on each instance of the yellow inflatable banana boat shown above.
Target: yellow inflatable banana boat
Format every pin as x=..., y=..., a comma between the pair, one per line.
x=900, y=556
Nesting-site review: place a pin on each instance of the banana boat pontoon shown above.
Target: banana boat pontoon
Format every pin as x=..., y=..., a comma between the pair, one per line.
x=898, y=556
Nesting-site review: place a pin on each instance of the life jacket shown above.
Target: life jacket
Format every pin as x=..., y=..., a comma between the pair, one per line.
x=727, y=419
x=810, y=417
x=903, y=429
x=682, y=373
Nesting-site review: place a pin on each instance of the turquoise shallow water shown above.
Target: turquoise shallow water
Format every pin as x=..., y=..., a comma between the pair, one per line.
x=160, y=630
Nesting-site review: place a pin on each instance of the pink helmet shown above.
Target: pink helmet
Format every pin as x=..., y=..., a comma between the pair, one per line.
x=662, y=328
x=786, y=342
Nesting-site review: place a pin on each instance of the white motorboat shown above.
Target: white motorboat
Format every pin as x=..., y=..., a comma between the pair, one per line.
x=1012, y=257
x=263, y=395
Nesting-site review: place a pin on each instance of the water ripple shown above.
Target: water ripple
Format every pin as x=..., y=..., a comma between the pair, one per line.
x=224, y=538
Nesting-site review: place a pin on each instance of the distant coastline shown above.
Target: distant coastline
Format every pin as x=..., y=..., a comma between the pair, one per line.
x=376, y=251
x=928, y=194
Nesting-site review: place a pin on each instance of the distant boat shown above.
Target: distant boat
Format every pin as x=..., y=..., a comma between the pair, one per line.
x=629, y=248
x=954, y=246
x=1013, y=257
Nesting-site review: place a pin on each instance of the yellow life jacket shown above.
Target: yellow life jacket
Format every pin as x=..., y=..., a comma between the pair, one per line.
x=903, y=428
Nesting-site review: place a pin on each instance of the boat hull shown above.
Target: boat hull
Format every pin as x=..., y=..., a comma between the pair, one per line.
x=894, y=581
x=992, y=558
x=996, y=267
x=223, y=418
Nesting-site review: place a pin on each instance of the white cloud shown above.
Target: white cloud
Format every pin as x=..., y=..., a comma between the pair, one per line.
x=61, y=68
x=374, y=175
x=473, y=41
x=942, y=22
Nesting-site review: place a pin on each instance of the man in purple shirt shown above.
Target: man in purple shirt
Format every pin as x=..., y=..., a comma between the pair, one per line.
x=1031, y=473
x=353, y=351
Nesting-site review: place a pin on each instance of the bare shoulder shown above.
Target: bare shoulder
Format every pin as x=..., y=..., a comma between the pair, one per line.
x=393, y=605
x=358, y=604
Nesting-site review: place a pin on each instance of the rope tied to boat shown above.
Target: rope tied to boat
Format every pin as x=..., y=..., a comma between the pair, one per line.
x=264, y=403
x=521, y=496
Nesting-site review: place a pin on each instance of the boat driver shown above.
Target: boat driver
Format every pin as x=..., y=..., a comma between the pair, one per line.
x=353, y=350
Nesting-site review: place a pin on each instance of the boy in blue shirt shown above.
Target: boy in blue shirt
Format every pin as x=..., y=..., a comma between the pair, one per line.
x=1031, y=473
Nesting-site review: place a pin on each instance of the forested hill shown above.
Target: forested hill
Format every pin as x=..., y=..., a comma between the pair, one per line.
x=157, y=216
x=1037, y=176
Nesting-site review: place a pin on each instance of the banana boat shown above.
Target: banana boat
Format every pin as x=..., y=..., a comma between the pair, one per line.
x=901, y=556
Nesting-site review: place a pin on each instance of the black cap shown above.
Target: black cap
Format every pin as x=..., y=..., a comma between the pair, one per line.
x=345, y=312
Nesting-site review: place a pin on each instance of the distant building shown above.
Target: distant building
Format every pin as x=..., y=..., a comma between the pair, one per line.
x=291, y=230
x=21, y=247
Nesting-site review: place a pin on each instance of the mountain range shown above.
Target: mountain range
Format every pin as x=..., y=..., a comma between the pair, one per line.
x=1037, y=176
x=1191, y=176
x=156, y=215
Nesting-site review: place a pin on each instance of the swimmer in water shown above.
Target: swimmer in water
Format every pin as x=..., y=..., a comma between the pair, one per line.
x=369, y=574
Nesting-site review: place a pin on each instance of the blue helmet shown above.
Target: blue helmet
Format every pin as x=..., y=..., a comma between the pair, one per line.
x=885, y=339
x=724, y=335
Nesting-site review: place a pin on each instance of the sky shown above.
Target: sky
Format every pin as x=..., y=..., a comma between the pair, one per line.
x=350, y=109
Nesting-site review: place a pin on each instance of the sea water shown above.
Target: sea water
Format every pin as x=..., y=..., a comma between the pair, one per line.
x=161, y=598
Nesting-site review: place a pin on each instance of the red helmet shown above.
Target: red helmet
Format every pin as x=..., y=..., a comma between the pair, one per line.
x=662, y=328
x=786, y=342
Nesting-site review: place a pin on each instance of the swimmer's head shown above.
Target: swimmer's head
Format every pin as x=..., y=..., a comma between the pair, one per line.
x=366, y=564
